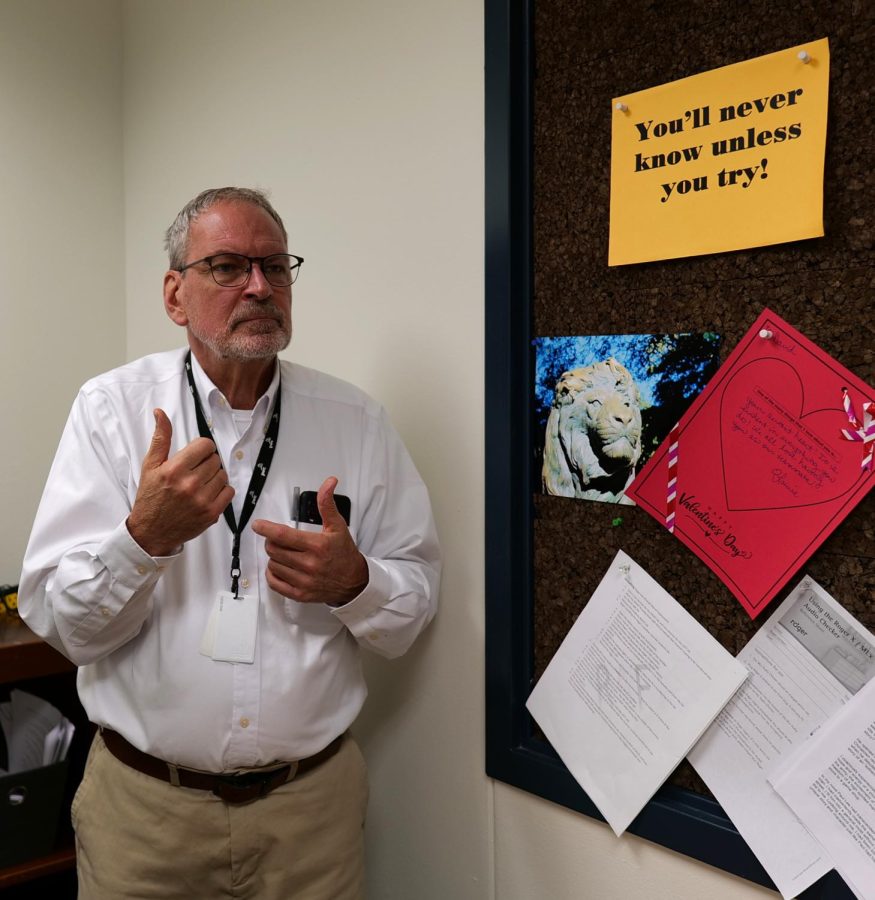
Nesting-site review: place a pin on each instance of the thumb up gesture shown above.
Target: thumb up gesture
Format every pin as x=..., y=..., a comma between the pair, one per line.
x=179, y=496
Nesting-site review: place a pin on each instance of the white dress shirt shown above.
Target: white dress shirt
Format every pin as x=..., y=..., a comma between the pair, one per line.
x=134, y=623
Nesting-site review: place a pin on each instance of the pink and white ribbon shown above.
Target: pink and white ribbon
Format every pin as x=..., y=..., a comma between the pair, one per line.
x=671, y=497
x=863, y=432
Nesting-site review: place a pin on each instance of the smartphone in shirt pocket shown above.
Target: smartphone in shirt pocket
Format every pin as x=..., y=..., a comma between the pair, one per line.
x=308, y=509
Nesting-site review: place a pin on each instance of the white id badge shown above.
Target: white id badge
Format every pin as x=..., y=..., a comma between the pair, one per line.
x=231, y=629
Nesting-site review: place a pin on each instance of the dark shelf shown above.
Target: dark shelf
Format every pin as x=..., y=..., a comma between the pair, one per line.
x=23, y=655
x=61, y=860
x=28, y=662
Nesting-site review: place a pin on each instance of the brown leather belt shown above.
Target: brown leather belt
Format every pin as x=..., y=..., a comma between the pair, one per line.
x=239, y=788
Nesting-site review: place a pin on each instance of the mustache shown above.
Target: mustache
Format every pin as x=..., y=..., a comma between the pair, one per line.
x=266, y=309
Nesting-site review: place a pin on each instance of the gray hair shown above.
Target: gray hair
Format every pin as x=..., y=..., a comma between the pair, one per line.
x=176, y=236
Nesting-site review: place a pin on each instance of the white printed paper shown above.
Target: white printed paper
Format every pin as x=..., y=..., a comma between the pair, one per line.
x=805, y=663
x=633, y=685
x=830, y=785
x=36, y=733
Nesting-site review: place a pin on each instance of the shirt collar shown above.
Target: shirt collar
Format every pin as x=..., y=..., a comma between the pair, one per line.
x=215, y=399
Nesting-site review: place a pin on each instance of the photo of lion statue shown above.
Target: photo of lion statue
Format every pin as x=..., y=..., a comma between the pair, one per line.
x=593, y=436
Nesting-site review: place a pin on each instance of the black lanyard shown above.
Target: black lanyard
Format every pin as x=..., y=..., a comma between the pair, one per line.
x=259, y=473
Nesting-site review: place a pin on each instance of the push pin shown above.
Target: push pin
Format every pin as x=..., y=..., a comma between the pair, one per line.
x=625, y=568
x=621, y=107
x=803, y=55
x=766, y=335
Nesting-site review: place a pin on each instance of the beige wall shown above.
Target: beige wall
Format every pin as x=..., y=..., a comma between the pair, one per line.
x=61, y=286
x=365, y=120
x=543, y=852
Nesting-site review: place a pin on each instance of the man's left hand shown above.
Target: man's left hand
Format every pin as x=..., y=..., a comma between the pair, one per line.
x=315, y=567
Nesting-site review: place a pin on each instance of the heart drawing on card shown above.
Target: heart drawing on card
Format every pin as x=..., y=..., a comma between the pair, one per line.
x=775, y=455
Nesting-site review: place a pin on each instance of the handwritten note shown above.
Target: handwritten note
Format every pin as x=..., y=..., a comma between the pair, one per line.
x=767, y=472
x=801, y=460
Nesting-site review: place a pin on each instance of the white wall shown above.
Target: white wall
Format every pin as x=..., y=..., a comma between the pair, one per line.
x=365, y=120
x=61, y=287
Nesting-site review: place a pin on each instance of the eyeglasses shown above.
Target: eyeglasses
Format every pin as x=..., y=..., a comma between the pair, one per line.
x=234, y=269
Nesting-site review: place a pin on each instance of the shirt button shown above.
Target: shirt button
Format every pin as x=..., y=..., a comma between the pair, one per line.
x=244, y=582
x=141, y=570
x=238, y=454
x=105, y=612
x=244, y=722
x=373, y=636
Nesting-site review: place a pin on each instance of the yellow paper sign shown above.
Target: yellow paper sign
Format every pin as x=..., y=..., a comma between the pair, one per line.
x=724, y=160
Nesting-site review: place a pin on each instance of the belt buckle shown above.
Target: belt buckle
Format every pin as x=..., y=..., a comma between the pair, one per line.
x=249, y=786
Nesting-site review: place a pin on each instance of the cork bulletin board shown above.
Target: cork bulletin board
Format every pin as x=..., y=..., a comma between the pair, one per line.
x=552, y=67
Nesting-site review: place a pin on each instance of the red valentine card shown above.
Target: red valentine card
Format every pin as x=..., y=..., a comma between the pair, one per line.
x=769, y=459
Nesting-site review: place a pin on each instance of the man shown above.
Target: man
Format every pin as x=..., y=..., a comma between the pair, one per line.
x=217, y=632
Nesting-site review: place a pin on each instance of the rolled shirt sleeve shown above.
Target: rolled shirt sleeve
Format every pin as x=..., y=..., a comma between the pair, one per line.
x=86, y=585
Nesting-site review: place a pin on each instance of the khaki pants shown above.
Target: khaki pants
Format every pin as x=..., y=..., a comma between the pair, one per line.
x=138, y=837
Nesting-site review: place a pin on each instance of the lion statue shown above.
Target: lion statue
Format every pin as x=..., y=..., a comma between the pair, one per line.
x=593, y=437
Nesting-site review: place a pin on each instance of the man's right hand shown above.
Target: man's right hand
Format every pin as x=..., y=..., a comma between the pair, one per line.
x=179, y=497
